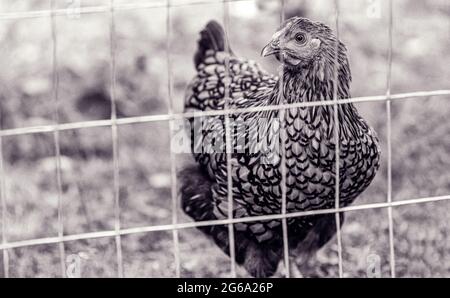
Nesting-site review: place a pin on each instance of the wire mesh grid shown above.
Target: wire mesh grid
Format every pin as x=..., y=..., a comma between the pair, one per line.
x=171, y=116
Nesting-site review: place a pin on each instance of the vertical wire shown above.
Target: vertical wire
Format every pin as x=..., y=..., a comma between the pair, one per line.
x=115, y=141
x=56, y=138
x=176, y=245
x=5, y=253
x=283, y=138
x=337, y=140
x=228, y=145
x=3, y=202
x=389, y=144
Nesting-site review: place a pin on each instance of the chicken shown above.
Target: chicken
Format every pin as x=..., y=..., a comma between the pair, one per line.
x=306, y=50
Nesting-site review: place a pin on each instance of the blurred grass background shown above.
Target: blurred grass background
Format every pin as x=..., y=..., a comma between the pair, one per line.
x=420, y=132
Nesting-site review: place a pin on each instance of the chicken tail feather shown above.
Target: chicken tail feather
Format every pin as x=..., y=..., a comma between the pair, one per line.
x=212, y=37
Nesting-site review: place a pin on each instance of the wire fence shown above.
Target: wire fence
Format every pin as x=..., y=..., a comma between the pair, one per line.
x=171, y=116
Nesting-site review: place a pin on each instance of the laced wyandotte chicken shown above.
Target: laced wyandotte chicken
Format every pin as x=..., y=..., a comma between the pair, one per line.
x=306, y=50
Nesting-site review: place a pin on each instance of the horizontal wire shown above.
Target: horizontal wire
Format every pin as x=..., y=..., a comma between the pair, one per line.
x=209, y=113
x=188, y=225
x=105, y=9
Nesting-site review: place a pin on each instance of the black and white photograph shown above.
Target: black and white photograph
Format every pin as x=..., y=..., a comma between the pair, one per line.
x=224, y=139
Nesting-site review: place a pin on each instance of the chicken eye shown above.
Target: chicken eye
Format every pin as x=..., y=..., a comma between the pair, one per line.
x=300, y=38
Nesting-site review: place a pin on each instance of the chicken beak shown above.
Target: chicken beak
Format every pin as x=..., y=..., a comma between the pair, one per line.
x=270, y=49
